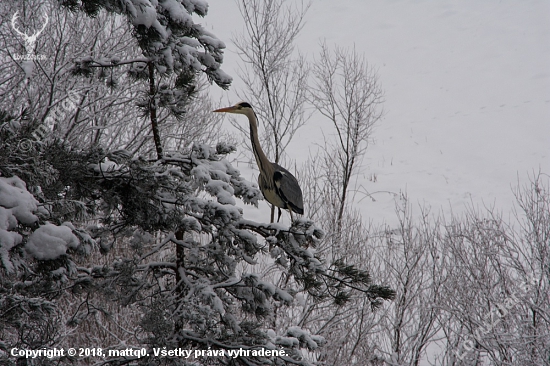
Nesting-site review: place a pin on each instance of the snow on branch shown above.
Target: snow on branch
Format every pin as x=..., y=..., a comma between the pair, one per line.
x=17, y=200
x=17, y=205
x=51, y=241
x=166, y=34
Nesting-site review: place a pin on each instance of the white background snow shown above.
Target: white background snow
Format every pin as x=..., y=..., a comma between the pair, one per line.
x=467, y=96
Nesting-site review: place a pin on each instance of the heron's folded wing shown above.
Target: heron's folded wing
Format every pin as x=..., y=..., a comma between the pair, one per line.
x=288, y=189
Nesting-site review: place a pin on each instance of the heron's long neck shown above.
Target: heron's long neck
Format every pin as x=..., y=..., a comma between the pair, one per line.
x=263, y=164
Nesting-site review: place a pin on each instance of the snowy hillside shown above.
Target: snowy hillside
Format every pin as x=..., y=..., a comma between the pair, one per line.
x=467, y=95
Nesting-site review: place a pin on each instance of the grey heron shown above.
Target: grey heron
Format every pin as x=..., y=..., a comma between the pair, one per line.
x=278, y=185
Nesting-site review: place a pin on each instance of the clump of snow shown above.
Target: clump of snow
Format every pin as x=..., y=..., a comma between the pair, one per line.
x=222, y=191
x=312, y=342
x=7, y=241
x=210, y=40
x=199, y=6
x=168, y=58
x=208, y=293
x=15, y=197
x=177, y=12
x=190, y=224
x=219, y=178
x=288, y=342
x=50, y=241
x=274, y=291
x=142, y=11
x=7, y=220
x=16, y=204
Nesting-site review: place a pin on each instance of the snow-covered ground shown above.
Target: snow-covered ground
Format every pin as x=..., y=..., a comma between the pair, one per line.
x=467, y=95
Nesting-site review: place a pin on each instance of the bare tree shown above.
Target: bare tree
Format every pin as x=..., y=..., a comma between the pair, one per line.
x=275, y=78
x=346, y=91
x=410, y=259
x=473, y=286
x=495, y=304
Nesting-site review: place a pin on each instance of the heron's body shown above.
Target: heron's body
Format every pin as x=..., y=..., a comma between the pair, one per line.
x=281, y=193
x=278, y=185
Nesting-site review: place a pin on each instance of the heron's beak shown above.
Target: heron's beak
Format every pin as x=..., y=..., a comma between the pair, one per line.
x=231, y=109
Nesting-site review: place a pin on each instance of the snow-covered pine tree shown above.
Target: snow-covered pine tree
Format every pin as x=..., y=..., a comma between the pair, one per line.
x=174, y=259
x=174, y=49
x=166, y=34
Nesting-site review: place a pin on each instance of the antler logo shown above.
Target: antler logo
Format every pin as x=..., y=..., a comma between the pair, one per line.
x=29, y=40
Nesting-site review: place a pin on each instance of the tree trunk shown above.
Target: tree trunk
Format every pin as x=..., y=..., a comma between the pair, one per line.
x=153, y=110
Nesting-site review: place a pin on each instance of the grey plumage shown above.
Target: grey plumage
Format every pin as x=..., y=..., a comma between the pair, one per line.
x=278, y=185
x=289, y=189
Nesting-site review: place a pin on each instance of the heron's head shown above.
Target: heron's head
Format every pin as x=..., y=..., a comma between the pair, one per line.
x=239, y=108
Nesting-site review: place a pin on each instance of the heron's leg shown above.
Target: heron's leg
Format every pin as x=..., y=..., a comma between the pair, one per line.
x=280, y=213
x=272, y=213
x=291, y=217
